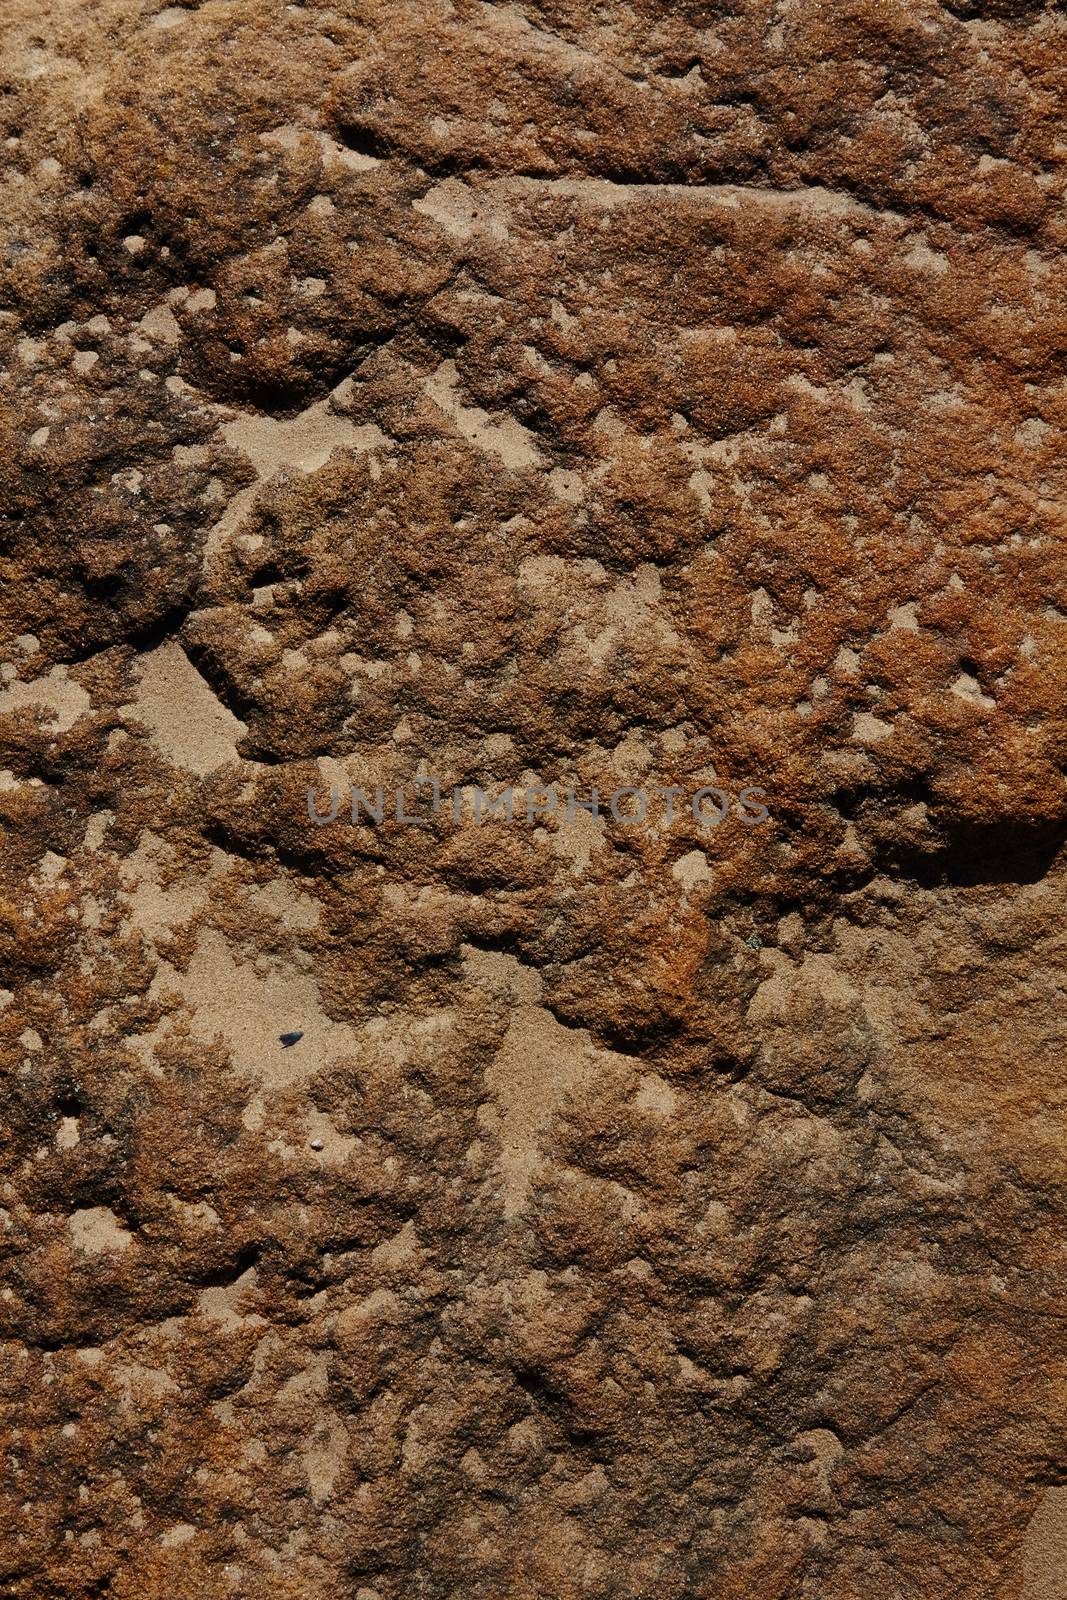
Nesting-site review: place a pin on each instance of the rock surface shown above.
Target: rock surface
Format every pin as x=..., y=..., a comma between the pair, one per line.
x=617, y=395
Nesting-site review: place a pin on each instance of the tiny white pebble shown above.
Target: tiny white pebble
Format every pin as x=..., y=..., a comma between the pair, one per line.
x=316, y=1144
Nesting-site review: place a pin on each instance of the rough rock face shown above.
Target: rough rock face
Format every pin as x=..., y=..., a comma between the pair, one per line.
x=645, y=395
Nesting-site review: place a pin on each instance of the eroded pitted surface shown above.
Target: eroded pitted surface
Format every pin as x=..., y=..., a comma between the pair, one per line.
x=622, y=396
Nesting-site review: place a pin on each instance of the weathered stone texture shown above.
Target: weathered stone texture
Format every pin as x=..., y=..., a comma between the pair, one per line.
x=607, y=395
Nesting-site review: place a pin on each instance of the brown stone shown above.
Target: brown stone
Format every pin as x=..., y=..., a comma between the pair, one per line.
x=541, y=396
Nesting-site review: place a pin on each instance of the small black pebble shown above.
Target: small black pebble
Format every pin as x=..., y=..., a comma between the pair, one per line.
x=290, y=1038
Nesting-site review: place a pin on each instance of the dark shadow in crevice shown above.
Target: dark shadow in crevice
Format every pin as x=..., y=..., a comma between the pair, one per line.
x=973, y=855
x=226, y=1273
x=364, y=141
